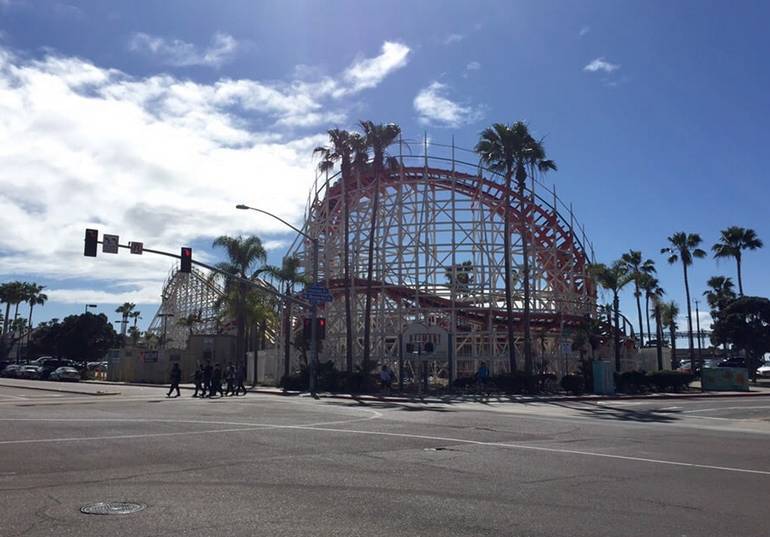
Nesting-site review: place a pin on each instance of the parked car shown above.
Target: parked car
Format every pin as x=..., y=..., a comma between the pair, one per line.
x=10, y=371
x=65, y=373
x=764, y=370
x=732, y=362
x=30, y=372
x=49, y=364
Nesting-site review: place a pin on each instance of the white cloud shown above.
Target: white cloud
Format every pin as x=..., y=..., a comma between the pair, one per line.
x=182, y=54
x=600, y=64
x=435, y=108
x=158, y=159
x=584, y=30
x=473, y=66
x=367, y=73
x=453, y=38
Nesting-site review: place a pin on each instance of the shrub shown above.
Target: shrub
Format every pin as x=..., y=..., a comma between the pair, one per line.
x=516, y=382
x=462, y=383
x=669, y=380
x=631, y=381
x=573, y=383
x=295, y=381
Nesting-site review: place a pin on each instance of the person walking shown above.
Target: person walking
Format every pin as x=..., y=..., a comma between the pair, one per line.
x=215, y=387
x=207, y=372
x=230, y=380
x=482, y=377
x=198, y=379
x=240, y=378
x=175, y=378
x=386, y=378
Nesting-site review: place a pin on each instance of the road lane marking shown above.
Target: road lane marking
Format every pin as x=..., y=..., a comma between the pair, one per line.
x=320, y=428
x=725, y=408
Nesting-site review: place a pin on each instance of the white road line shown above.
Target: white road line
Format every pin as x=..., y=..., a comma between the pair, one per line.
x=318, y=427
x=725, y=408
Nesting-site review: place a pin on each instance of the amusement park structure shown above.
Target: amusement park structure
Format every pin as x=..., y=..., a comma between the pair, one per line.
x=438, y=264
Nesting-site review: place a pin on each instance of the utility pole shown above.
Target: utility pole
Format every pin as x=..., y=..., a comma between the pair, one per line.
x=697, y=328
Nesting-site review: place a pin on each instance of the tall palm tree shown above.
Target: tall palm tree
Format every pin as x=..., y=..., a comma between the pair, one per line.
x=667, y=314
x=719, y=294
x=378, y=138
x=344, y=147
x=651, y=287
x=289, y=275
x=613, y=278
x=11, y=293
x=655, y=293
x=684, y=247
x=732, y=242
x=638, y=268
x=125, y=310
x=135, y=315
x=35, y=297
x=242, y=254
x=513, y=152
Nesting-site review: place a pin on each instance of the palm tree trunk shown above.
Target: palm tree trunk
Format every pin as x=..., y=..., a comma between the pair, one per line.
x=507, y=262
x=647, y=315
x=638, y=296
x=369, y=273
x=674, y=361
x=689, y=317
x=616, y=336
x=525, y=253
x=658, y=336
x=740, y=277
x=29, y=319
x=287, y=335
x=6, y=320
x=348, y=311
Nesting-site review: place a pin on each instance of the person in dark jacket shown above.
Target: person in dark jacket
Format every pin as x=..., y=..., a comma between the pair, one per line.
x=230, y=380
x=175, y=378
x=240, y=377
x=207, y=372
x=198, y=378
x=216, y=382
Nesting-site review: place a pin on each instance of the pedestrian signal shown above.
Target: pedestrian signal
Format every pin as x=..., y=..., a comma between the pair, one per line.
x=92, y=239
x=186, y=260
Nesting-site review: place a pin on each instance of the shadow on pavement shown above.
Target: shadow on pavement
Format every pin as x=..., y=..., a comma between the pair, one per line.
x=406, y=407
x=623, y=414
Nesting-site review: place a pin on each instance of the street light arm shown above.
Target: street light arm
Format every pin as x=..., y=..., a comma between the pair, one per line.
x=284, y=222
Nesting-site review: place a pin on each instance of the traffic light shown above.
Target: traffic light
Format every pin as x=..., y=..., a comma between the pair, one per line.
x=92, y=240
x=185, y=264
x=320, y=324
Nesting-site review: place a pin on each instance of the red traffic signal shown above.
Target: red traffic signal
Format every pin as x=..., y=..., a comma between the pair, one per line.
x=185, y=264
x=92, y=240
x=320, y=324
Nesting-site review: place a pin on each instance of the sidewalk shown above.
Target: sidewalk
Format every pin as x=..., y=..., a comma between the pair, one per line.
x=694, y=393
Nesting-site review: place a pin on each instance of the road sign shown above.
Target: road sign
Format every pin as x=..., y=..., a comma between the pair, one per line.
x=110, y=244
x=136, y=247
x=317, y=294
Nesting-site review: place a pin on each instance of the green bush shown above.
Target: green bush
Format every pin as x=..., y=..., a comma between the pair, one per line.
x=631, y=382
x=516, y=382
x=573, y=383
x=664, y=381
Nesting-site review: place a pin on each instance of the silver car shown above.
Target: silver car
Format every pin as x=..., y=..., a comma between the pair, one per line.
x=65, y=373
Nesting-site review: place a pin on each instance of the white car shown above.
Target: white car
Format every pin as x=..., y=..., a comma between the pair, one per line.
x=764, y=370
x=65, y=373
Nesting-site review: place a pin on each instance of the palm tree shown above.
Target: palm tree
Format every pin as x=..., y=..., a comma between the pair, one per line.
x=378, y=137
x=650, y=285
x=511, y=150
x=12, y=294
x=732, y=242
x=720, y=293
x=125, y=310
x=289, y=275
x=35, y=297
x=638, y=269
x=667, y=314
x=613, y=278
x=684, y=247
x=242, y=254
x=189, y=321
x=135, y=315
x=344, y=147
x=655, y=292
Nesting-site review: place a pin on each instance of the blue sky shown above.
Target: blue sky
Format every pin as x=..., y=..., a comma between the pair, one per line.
x=151, y=119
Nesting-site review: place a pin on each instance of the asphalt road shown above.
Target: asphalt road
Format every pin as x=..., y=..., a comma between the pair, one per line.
x=269, y=465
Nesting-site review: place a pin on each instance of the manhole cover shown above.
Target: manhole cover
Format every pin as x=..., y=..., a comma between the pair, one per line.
x=112, y=508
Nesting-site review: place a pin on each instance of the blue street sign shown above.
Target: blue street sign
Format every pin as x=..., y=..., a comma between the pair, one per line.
x=317, y=294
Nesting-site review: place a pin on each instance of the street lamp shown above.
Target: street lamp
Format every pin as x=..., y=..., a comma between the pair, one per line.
x=313, y=308
x=90, y=306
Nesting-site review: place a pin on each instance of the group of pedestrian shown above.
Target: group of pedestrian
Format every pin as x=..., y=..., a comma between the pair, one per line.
x=211, y=381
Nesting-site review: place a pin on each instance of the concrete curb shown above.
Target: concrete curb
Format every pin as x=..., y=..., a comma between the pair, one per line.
x=56, y=390
x=433, y=400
